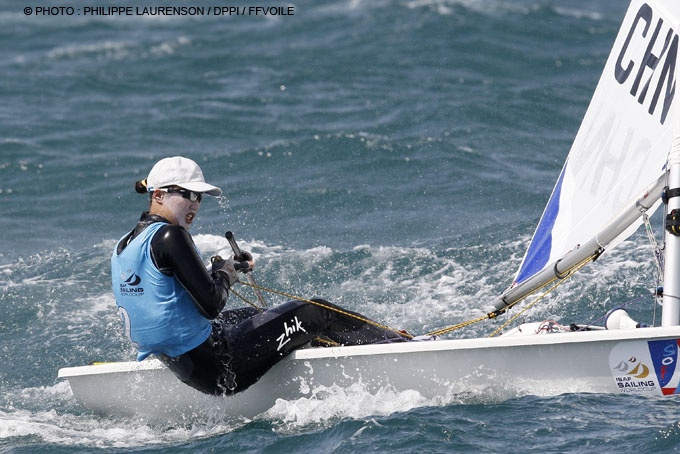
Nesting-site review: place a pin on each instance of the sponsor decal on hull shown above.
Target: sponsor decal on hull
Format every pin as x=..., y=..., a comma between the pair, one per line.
x=631, y=367
x=646, y=367
x=664, y=355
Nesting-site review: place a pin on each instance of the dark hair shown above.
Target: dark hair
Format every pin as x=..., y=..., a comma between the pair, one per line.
x=140, y=186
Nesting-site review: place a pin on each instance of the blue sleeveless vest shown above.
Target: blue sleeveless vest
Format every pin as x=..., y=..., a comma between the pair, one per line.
x=158, y=313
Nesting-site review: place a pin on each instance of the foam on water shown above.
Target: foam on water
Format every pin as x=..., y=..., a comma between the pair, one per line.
x=64, y=424
x=118, y=50
x=494, y=7
x=50, y=415
x=412, y=287
x=326, y=405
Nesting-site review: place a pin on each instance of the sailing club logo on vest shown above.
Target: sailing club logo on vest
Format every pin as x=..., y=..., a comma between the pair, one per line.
x=650, y=32
x=131, y=284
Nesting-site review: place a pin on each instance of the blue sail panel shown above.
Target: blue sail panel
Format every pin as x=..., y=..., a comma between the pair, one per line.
x=539, y=250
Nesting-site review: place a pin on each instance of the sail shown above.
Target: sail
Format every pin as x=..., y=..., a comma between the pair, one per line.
x=623, y=142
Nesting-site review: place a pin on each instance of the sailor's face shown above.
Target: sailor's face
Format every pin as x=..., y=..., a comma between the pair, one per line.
x=181, y=211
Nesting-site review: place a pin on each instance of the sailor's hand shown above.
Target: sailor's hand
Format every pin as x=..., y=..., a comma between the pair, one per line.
x=246, y=262
x=224, y=268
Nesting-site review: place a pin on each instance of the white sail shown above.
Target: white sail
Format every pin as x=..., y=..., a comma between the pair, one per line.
x=620, y=151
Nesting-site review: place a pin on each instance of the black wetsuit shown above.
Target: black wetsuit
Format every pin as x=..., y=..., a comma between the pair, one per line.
x=244, y=342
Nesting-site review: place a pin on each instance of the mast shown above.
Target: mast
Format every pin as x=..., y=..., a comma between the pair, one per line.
x=671, y=285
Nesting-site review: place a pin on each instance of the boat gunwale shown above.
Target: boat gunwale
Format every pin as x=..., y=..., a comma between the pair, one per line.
x=641, y=334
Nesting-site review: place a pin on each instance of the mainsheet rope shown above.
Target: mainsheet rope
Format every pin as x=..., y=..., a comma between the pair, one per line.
x=573, y=270
x=316, y=303
x=496, y=313
x=490, y=315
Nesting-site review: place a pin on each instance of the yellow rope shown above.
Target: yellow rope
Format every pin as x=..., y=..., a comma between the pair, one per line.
x=495, y=314
x=365, y=320
x=246, y=300
x=320, y=339
x=328, y=341
x=569, y=274
x=440, y=332
x=458, y=326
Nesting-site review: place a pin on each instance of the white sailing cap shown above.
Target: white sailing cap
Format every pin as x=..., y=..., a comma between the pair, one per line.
x=182, y=172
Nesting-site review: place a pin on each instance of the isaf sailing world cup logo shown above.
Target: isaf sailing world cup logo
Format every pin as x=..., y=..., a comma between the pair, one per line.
x=639, y=371
x=632, y=368
x=632, y=376
x=131, y=284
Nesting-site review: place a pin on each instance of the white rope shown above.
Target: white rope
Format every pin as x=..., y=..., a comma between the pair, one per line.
x=658, y=255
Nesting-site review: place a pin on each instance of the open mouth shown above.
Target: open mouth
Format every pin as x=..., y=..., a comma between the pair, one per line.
x=189, y=217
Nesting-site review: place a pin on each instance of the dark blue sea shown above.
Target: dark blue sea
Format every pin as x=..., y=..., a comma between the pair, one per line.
x=391, y=156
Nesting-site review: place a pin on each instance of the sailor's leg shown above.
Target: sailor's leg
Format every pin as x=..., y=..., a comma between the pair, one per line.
x=236, y=316
x=351, y=328
x=245, y=343
x=260, y=341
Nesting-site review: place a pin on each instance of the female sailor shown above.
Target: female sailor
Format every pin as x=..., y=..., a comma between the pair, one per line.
x=171, y=305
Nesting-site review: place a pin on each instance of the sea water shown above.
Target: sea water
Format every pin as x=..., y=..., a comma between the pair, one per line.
x=391, y=156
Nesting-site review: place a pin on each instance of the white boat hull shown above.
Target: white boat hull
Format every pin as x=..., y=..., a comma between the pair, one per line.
x=617, y=361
